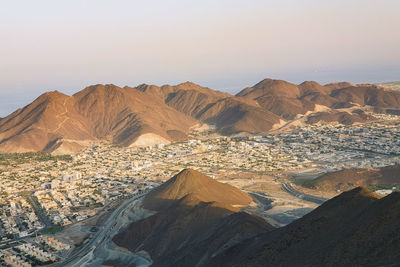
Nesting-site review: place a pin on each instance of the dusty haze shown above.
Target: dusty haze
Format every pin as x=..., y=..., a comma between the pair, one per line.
x=65, y=45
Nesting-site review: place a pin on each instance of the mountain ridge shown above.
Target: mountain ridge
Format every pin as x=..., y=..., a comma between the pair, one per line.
x=96, y=112
x=149, y=114
x=351, y=229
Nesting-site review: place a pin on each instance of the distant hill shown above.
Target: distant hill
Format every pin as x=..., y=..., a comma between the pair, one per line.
x=350, y=178
x=278, y=97
x=191, y=182
x=287, y=100
x=120, y=115
x=149, y=114
x=228, y=113
x=370, y=95
x=344, y=118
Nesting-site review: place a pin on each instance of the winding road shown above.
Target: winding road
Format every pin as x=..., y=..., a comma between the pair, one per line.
x=62, y=115
x=100, y=235
x=288, y=187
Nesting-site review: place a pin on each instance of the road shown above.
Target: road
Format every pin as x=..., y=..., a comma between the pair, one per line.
x=40, y=213
x=262, y=199
x=101, y=234
x=15, y=240
x=289, y=189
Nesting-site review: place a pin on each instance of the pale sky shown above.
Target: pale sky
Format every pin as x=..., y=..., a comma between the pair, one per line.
x=227, y=45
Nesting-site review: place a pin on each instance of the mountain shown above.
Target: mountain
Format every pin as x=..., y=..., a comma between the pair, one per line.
x=342, y=117
x=228, y=113
x=194, y=225
x=195, y=183
x=356, y=228
x=278, y=97
x=120, y=115
x=338, y=85
x=271, y=87
x=349, y=178
x=148, y=114
x=144, y=115
x=190, y=232
x=288, y=100
x=47, y=119
x=126, y=115
x=371, y=95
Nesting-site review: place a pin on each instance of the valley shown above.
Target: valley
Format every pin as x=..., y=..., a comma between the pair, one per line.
x=83, y=180
x=73, y=192
x=199, y=133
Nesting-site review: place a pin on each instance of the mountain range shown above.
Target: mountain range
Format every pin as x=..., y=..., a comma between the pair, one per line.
x=149, y=114
x=199, y=228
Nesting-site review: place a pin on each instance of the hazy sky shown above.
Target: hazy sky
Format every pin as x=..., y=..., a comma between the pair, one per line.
x=66, y=45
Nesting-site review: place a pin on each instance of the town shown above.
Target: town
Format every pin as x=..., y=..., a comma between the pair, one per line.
x=42, y=194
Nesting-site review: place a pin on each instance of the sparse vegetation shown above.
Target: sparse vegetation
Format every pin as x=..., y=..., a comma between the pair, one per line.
x=21, y=158
x=376, y=187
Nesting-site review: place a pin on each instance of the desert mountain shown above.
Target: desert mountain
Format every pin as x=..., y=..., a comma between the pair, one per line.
x=121, y=115
x=347, y=179
x=191, y=182
x=192, y=226
x=228, y=113
x=149, y=114
x=338, y=85
x=356, y=228
x=144, y=115
x=371, y=95
x=343, y=117
x=287, y=100
x=190, y=232
x=278, y=97
x=125, y=115
x=47, y=119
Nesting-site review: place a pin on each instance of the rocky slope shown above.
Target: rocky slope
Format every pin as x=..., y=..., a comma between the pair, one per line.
x=50, y=117
x=287, y=100
x=120, y=115
x=148, y=114
x=194, y=183
x=343, y=117
x=228, y=113
x=196, y=221
x=348, y=179
x=356, y=228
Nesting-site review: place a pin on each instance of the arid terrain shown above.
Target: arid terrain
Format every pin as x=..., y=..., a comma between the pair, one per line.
x=199, y=133
x=247, y=170
x=149, y=115
x=216, y=234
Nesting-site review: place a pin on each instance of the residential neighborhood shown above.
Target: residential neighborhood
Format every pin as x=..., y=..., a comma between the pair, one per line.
x=42, y=196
